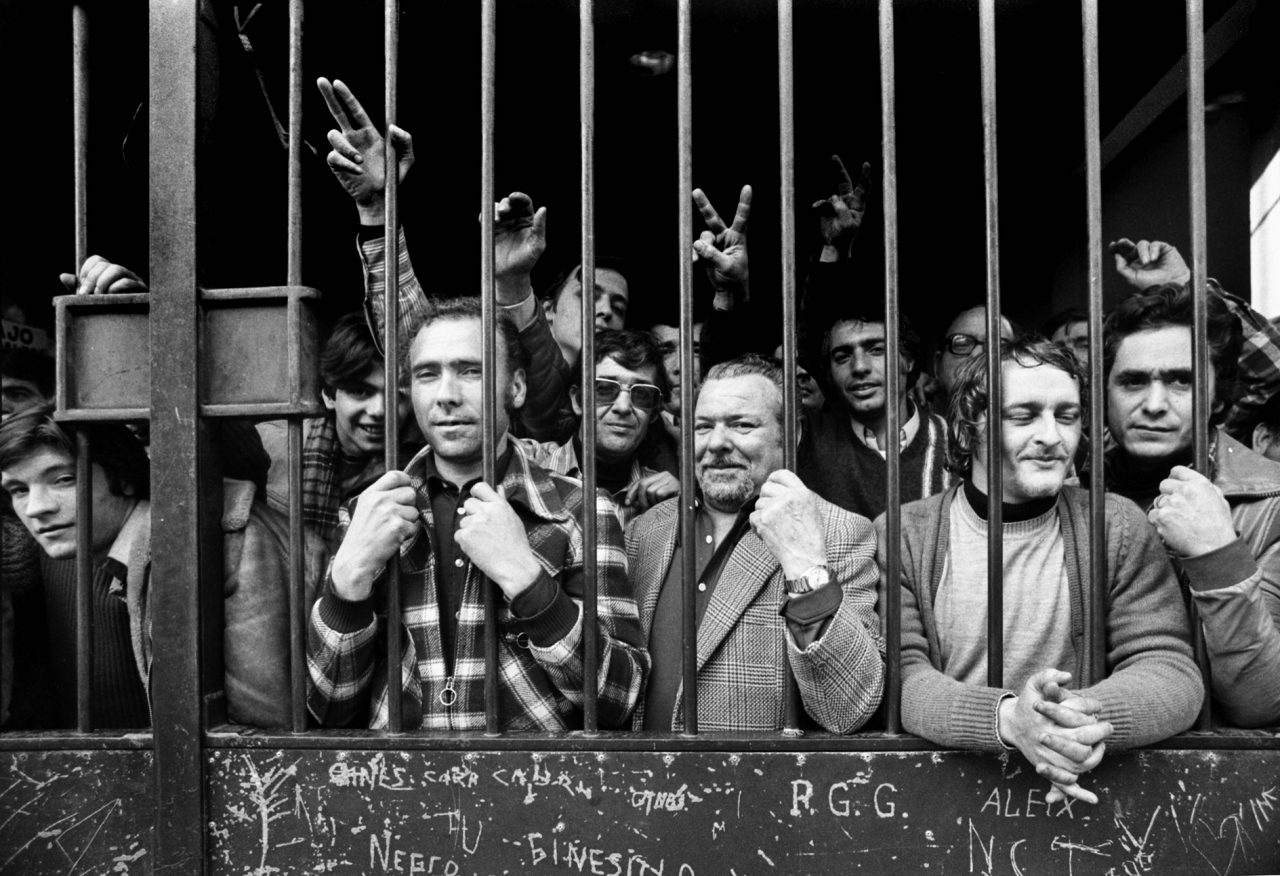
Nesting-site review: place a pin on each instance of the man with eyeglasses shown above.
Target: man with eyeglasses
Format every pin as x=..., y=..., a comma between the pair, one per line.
x=965, y=337
x=1222, y=526
x=784, y=578
x=631, y=384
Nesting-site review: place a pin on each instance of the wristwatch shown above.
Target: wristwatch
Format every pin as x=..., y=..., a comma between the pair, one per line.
x=811, y=579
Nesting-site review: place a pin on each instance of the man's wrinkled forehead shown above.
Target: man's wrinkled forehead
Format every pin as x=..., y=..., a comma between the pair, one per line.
x=748, y=395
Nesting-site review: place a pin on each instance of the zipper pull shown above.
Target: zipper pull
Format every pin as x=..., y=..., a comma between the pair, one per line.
x=449, y=695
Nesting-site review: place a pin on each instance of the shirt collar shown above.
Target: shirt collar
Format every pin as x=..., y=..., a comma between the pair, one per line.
x=136, y=527
x=906, y=433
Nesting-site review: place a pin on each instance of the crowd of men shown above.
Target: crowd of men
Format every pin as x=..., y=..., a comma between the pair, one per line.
x=790, y=565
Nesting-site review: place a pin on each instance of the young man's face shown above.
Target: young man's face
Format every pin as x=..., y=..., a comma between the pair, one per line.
x=972, y=325
x=668, y=338
x=611, y=299
x=447, y=389
x=43, y=489
x=810, y=394
x=1074, y=336
x=737, y=438
x=18, y=395
x=1149, y=393
x=360, y=414
x=1041, y=425
x=621, y=424
x=857, y=365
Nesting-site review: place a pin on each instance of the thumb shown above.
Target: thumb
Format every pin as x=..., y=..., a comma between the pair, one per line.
x=540, y=223
x=70, y=281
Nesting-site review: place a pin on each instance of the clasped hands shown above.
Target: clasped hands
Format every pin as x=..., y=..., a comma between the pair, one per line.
x=1057, y=730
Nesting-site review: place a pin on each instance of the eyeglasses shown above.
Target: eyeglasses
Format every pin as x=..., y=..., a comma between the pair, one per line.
x=644, y=396
x=961, y=344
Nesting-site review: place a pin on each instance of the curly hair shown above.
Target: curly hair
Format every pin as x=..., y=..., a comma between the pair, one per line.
x=967, y=411
x=1172, y=305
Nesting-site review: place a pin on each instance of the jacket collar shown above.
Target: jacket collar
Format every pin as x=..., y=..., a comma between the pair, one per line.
x=134, y=534
x=1241, y=473
x=525, y=483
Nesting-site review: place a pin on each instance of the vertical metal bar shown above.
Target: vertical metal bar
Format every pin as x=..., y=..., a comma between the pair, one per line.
x=84, y=583
x=295, y=142
x=488, y=307
x=787, y=200
x=995, y=487
x=80, y=126
x=688, y=485
x=1202, y=398
x=893, y=484
x=1096, y=633
x=586, y=113
x=390, y=348
x=176, y=549
x=297, y=544
x=84, y=471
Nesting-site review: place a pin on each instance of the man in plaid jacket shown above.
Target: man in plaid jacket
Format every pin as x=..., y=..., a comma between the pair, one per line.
x=784, y=577
x=454, y=534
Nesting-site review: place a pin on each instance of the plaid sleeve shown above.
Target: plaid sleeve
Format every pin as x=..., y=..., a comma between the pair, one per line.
x=623, y=660
x=412, y=300
x=1259, y=365
x=341, y=649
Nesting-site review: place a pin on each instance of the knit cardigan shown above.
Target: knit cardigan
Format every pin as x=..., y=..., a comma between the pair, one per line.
x=844, y=471
x=1149, y=686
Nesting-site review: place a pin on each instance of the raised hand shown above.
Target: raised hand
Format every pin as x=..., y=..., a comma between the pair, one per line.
x=100, y=277
x=519, y=239
x=357, y=158
x=1149, y=263
x=723, y=249
x=840, y=215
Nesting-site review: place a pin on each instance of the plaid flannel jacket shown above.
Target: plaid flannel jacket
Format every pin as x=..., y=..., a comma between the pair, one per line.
x=563, y=459
x=1259, y=365
x=540, y=688
x=743, y=641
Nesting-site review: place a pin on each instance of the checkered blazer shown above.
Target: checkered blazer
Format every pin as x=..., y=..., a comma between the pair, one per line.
x=743, y=641
x=539, y=688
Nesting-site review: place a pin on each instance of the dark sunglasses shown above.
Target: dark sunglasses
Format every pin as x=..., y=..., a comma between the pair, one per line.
x=644, y=396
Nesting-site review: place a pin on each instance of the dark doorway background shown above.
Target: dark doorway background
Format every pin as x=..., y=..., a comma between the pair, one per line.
x=942, y=255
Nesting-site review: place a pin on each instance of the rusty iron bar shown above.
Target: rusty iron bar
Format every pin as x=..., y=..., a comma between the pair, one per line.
x=995, y=487
x=297, y=546
x=390, y=346
x=586, y=112
x=84, y=582
x=893, y=485
x=84, y=470
x=489, y=340
x=80, y=126
x=787, y=200
x=1202, y=398
x=688, y=485
x=1096, y=634
x=175, y=691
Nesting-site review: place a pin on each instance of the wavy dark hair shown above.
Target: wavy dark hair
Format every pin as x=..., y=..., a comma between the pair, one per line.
x=967, y=409
x=631, y=349
x=1172, y=305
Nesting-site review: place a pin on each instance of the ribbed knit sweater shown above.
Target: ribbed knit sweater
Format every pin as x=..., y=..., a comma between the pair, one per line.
x=119, y=699
x=844, y=471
